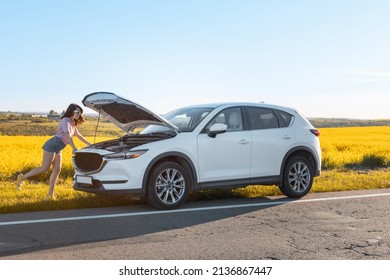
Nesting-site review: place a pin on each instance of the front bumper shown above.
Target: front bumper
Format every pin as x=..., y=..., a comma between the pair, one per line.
x=99, y=188
x=115, y=177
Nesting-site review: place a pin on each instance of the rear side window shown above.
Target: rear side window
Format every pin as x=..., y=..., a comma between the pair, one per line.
x=262, y=118
x=283, y=117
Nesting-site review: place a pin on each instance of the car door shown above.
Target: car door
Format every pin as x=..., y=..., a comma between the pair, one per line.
x=271, y=139
x=227, y=155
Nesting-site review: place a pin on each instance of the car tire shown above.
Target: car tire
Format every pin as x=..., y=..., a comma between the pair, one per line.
x=168, y=185
x=297, y=177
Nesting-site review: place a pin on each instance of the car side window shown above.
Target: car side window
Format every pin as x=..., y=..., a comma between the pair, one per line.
x=284, y=118
x=262, y=118
x=232, y=117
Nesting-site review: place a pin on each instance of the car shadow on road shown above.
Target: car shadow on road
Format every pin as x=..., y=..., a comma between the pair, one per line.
x=107, y=224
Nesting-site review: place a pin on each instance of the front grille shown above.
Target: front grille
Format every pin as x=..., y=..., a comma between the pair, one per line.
x=88, y=162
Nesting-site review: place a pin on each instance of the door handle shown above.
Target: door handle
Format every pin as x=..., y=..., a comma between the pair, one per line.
x=243, y=142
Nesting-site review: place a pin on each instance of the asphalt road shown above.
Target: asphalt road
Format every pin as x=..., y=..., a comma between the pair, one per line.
x=325, y=226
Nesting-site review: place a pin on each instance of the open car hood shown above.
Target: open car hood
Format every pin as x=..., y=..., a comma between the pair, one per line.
x=122, y=112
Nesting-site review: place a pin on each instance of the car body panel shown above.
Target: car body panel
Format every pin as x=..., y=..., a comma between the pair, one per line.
x=224, y=157
x=268, y=149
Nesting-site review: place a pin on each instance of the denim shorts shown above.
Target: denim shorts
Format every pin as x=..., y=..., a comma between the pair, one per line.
x=54, y=145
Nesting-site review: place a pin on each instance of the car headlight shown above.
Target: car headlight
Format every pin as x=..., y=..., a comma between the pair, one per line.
x=126, y=154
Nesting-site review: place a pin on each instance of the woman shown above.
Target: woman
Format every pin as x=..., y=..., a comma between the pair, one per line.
x=52, y=148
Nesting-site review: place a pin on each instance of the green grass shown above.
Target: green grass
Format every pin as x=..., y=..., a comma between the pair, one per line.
x=32, y=198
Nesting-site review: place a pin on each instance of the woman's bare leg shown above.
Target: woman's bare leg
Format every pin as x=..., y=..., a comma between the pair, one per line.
x=57, y=162
x=47, y=159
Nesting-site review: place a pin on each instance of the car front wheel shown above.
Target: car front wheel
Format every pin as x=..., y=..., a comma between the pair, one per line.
x=168, y=185
x=297, y=177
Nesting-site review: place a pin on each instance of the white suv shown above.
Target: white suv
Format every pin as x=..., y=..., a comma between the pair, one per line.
x=199, y=147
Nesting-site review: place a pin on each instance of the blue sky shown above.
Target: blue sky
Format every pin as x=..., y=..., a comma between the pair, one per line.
x=325, y=58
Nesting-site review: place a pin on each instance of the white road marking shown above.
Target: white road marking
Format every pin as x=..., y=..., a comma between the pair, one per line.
x=161, y=212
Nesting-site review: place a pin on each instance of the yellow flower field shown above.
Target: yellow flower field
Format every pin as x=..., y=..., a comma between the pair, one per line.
x=360, y=147
x=353, y=158
x=355, y=147
x=21, y=153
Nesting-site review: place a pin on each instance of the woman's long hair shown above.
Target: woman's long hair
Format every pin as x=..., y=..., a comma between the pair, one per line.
x=70, y=111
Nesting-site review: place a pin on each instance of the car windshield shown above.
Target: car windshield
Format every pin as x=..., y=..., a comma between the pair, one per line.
x=186, y=119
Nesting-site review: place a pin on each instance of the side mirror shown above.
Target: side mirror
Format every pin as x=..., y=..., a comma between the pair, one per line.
x=217, y=128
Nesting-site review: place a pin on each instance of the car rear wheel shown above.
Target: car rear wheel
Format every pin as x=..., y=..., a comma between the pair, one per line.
x=168, y=185
x=297, y=177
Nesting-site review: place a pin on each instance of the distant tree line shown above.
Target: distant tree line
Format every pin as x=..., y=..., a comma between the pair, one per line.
x=325, y=122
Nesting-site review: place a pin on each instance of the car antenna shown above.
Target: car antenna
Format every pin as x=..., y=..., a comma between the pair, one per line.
x=97, y=125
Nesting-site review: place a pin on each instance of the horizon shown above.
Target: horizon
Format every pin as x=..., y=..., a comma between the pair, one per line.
x=327, y=59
